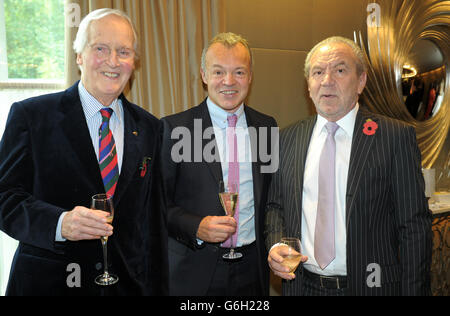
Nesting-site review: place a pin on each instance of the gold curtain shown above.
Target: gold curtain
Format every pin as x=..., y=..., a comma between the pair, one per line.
x=171, y=35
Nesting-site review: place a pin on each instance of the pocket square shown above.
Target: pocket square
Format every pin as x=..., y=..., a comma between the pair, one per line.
x=144, y=166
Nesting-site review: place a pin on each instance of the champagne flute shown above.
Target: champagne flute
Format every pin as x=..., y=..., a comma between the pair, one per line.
x=292, y=260
x=229, y=198
x=104, y=202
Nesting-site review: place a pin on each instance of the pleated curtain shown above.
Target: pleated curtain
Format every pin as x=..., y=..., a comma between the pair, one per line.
x=171, y=35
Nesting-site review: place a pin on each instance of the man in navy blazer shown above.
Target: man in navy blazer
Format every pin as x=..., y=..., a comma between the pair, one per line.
x=49, y=170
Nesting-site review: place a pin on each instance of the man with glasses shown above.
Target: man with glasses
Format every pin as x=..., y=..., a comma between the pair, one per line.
x=59, y=150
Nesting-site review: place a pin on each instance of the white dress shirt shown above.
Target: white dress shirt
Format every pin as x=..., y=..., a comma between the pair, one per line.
x=91, y=108
x=246, y=232
x=343, y=139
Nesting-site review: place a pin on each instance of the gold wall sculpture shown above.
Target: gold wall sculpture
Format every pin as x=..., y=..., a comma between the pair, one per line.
x=400, y=26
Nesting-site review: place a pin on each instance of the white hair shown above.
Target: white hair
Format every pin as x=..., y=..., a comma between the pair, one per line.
x=83, y=30
x=360, y=60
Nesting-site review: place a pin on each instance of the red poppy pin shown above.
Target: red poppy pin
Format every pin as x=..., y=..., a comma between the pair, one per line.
x=370, y=127
x=144, y=166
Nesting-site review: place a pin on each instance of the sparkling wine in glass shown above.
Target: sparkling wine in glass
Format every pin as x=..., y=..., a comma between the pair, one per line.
x=104, y=202
x=292, y=260
x=229, y=198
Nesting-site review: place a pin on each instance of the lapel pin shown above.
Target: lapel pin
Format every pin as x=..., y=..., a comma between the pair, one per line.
x=144, y=166
x=135, y=133
x=370, y=127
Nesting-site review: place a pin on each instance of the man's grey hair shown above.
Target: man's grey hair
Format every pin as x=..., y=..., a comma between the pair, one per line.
x=81, y=39
x=360, y=59
x=229, y=40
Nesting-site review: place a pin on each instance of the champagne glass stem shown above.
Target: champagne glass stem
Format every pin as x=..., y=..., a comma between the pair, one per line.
x=232, y=247
x=105, y=257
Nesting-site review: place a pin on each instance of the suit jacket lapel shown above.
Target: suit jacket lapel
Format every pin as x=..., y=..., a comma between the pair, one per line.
x=302, y=140
x=361, y=148
x=73, y=123
x=131, y=151
x=74, y=126
x=215, y=167
x=256, y=165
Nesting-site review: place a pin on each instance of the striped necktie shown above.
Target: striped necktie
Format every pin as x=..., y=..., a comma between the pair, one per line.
x=108, y=154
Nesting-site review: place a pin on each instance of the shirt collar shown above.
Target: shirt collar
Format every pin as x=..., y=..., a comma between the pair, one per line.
x=347, y=123
x=219, y=115
x=91, y=106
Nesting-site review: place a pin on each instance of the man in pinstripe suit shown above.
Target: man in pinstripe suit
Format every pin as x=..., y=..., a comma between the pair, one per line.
x=382, y=224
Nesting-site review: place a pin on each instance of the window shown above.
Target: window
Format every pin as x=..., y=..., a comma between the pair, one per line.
x=31, y=50
x=31, y=63
x=34, y=39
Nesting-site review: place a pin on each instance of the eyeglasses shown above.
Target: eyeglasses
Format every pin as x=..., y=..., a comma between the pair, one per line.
x=103, y=52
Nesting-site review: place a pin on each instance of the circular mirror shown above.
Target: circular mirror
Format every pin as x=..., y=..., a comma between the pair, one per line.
x=423, y=80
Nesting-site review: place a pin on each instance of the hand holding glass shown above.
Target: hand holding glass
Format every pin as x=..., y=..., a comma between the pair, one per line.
x=293, y=257
x=103, y=202
x=229, y=198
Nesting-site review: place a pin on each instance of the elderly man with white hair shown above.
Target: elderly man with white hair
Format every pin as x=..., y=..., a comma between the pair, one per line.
x=350, y=187
x=59, y=150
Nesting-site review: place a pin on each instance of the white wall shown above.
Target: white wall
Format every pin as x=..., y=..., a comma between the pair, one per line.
x=7, y=249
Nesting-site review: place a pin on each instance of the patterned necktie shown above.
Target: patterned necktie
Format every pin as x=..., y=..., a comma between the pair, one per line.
x=233, y=171
x=107, y=154
x=324, y=243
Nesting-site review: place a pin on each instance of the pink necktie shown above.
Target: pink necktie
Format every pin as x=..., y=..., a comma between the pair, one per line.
x=324, y=243
x=233, y=171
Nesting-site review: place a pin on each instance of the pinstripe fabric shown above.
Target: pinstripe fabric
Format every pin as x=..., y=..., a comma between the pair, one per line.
x=387, y=216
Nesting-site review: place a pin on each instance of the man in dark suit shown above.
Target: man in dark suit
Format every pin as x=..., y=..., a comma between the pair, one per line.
x=49, y=170
x=195, y=159
x=363, y=219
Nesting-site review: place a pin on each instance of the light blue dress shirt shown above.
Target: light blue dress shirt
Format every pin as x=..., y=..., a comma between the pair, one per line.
x=91, y=108
x=246, y=233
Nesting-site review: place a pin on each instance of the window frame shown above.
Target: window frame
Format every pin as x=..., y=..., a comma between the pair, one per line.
x=32, y=84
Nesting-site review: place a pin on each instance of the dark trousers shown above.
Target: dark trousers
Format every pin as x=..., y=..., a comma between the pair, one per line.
x=311, y=287
x=237, y=277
